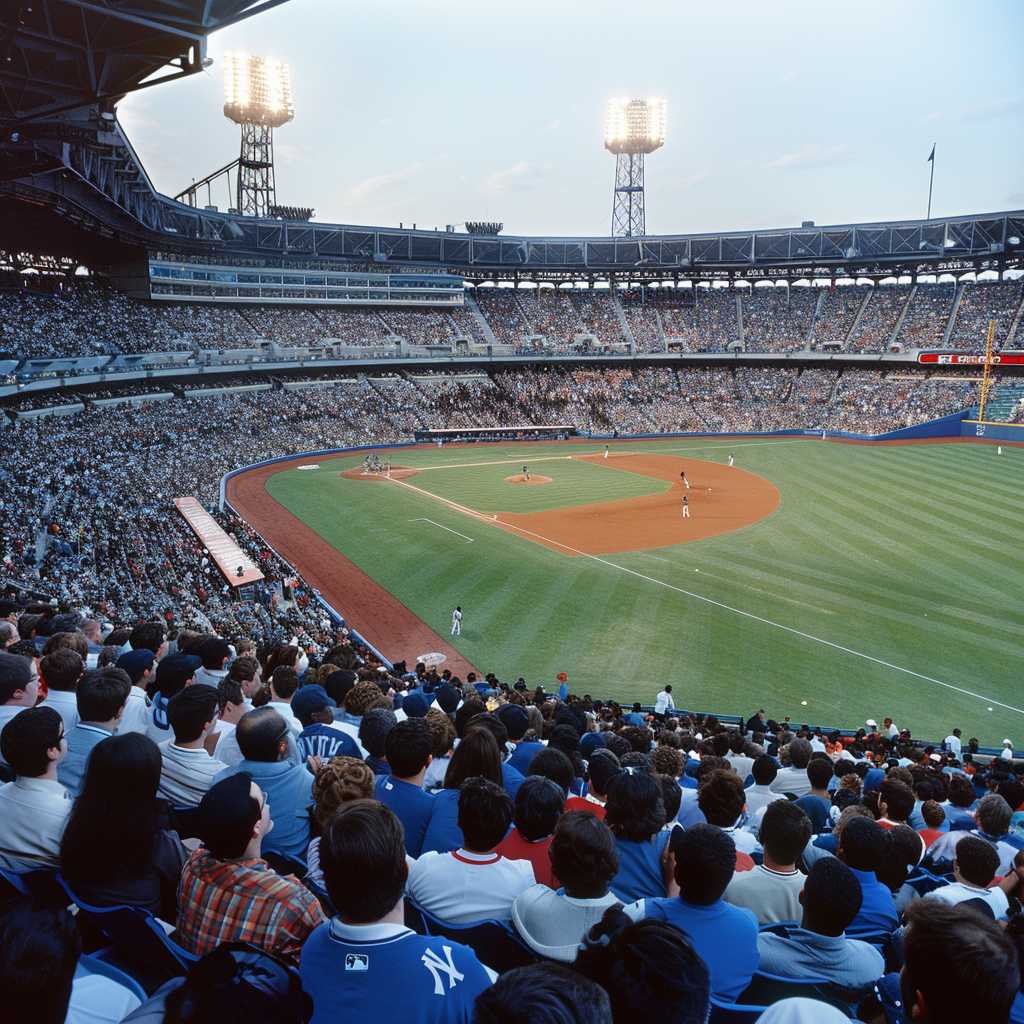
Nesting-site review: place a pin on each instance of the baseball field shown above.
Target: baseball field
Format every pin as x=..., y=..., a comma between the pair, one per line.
x=830, y=582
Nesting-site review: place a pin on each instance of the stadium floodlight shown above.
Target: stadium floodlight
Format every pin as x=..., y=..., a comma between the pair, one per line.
x=632, y=129
x=258, y=97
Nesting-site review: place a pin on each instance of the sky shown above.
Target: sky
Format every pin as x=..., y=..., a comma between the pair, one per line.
x=438, y=111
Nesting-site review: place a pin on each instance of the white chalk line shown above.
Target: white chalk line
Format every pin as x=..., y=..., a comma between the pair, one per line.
x=711, y=601
x=733, y=447
x=441, y=526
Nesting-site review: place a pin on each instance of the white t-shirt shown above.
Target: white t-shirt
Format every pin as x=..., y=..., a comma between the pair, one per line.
x=460, y=886
x=664, y=702
x=958, y=892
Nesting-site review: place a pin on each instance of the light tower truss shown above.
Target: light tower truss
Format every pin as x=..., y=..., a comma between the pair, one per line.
x=628, y=197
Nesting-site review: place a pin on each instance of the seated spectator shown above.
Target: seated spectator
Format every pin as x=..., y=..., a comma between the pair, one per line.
x=543, y=992
x=477, y=756
x=340, y=781
x=374, y=727
x=760, y=794
x=582, y=853
x=819, y=948
x=862, y=847
x=721, y=798
x=214, y=653
x=772, y=889
x=235, y=983
x=35, y=806
x=60, y=671
x=221, y=742
x=116, y=848
x=975, y=867
x=19, y=686
x=474, y=883
x=319, y=737
x=173, y=674
x=283, y=684
x=188, y=770
x=554, y=765
x=817, y=804
x=442, y=732
x=139, y=664
x=511, y=778
x=896, y=803
x=793, y=779
x=602, y=768
x=690, y=813
x=228, y=893
x=407, y=748
x=960, y=803
x=517, y=722
x=933, y=816
x=42, y=983
x=992, y=819
x=102, y=694
x=649, y=969
x=365, y=964
x=263, y=738
x=957, y=966
x=635, y=814
x=538, y=806
x=724, y=936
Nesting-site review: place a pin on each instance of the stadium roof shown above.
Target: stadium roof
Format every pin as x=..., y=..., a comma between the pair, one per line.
x=59, y=55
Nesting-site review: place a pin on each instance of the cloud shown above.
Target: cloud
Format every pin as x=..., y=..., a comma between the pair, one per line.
x=812, y=154
x=378, y=183
x=290, y=153
x=520, y=177
x=989, y=110
x=1017, y=199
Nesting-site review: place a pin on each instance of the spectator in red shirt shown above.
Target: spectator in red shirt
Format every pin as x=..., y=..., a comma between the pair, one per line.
x=538, y=807
x=934, y=816
x=603, y=767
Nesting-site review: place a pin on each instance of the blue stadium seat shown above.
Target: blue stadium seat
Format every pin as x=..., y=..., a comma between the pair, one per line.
x=286, y=864
x=924, y=882
x=494, y=942
x=733, y=1013
x=765, y=989
x=88, y=964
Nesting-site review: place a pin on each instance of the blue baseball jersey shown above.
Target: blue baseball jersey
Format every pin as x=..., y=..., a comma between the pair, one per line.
x=325, y=742
x=412, y=807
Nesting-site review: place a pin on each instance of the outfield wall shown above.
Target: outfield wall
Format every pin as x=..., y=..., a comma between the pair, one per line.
x=988, y=431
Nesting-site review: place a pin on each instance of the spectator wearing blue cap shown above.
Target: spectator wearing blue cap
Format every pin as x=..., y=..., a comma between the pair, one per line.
x=415, y=704
x=319, y=737
x=139, y=664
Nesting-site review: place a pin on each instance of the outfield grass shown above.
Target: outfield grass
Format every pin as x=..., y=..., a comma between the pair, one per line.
x=909, y=555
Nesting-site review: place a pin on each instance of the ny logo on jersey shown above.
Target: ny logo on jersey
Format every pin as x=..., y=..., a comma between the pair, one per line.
x=436, y=965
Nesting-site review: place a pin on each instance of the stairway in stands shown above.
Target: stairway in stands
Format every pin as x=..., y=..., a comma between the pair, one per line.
x=1009, y=395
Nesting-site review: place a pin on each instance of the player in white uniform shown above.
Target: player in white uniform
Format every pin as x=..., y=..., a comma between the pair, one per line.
x=730, y=460
x=457, y=621
x=606, y=451
x=686, y=507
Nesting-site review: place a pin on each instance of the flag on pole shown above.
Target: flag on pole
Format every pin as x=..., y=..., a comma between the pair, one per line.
x=931, y=156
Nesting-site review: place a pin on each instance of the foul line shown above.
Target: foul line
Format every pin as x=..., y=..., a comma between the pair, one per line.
x=442, y=527
x=484, y=517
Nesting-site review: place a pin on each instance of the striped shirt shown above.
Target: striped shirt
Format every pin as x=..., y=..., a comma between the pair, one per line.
x=243, y=901
x=186, y=774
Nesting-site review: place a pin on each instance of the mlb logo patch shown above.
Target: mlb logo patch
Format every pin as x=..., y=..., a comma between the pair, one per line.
x=357, y=962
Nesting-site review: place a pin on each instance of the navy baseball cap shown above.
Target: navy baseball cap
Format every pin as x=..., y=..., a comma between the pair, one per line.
x=416, y=704
x=308, y=700
x=175, y=671
x=515, y=719
x=136, y=662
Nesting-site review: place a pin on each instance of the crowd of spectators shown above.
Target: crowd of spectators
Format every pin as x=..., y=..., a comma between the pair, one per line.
x=777, y=319
x=927, y=315
x=313, y=835
x=877, y=323
x=980, y=303
x=835, y=315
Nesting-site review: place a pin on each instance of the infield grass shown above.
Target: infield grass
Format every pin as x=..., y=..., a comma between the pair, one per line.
x=890, y=581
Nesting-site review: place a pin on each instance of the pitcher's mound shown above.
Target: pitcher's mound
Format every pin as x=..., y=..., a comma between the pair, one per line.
x=535, y=478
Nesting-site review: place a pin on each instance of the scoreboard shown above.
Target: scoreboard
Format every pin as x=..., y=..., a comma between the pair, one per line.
x=967, y=359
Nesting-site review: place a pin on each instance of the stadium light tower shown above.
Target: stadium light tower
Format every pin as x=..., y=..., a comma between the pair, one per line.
x=258, y=97
x=632, y=129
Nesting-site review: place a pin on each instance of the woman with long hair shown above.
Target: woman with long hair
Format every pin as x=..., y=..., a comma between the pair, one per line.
x=117, y=848
x=476, y=755
x=635, y=813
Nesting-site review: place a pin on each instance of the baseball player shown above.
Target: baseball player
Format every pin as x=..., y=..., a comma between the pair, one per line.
x=686, y=507
x=606, y=451
x=682, y=476
x=999, y=449
x=526, y=472
x=457, y=621
x=730, y=460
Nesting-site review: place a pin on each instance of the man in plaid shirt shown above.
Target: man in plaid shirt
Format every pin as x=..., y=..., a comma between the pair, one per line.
x=228, y=893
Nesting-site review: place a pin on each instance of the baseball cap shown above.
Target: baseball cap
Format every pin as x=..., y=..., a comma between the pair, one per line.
x=308, y=700
x=515, y=719
x=448, y=699
x=174, y=671
x=591, y=741
x=225, y=811
x=136, y=662
x=871, y=723
x=374, y=729
x=415, y=704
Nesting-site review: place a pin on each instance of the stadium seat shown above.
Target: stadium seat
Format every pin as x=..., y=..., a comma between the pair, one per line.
x=41, y=884
x=321, y=894
x=494, y=942
x=88, y=964
x=924, y=882
x=765, y=989
x=733, y=1013
x=779, y=927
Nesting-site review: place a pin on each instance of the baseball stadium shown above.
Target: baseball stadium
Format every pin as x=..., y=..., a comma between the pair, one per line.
x=744, y=491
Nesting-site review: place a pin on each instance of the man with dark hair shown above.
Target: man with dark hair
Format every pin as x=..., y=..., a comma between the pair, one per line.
x=173, y=674
x=760, y=794
x=793, y=779
x=819, y=948
x=992, y=818
x=19, y=686
x=102, y=693
x=957, y=966
x=538, y=806
x=817, y=804
x=140, y=666
x=263, y=739
x=725, y=936
x=555, y=765
x=373, y=736
x=543, y=992
x=214, y=654
x=772, y=889
x=976, y=864
x=149, y=636
x=690, y=813
x=896, y=803
x=475, y=883
x=862, y=847
x=407, y=749
x=721, y=799
x=188, y=771
x=60, y=671
x=34, y=808
x=517, y=722
x=365, y=965
x=228, y=893
x=602, y=768
x=320, y=738
x=284, y=681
